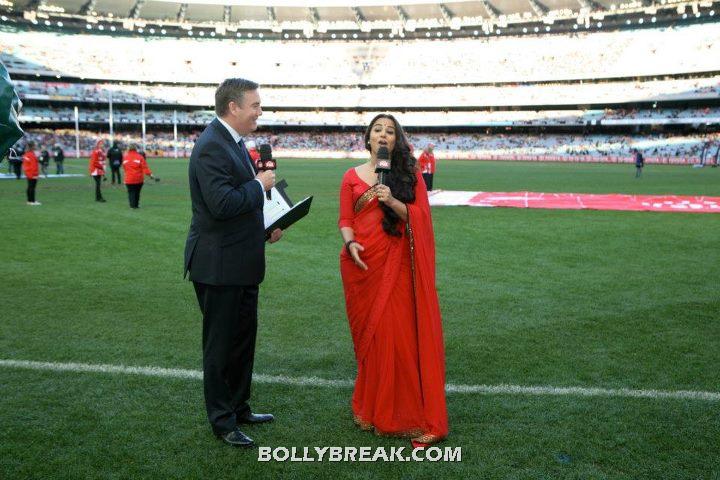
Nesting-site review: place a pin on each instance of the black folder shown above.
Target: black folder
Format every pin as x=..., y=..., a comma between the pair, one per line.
x=298, y=211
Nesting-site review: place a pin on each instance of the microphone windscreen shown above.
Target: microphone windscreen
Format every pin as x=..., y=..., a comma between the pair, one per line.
x=383, y=159
x=265, y=151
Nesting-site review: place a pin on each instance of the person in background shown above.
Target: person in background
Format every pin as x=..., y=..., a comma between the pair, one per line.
x=31, y=170
x=136, y=168
x=115, y=157
x=15, y=160
x=59, y=160
x=97, y=168
x=44, y=161
x=639, y=162
x=253, y=152
x=427, y=165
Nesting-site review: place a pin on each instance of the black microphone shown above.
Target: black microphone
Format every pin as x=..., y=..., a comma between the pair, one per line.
x=382, y=166
x=266, y=162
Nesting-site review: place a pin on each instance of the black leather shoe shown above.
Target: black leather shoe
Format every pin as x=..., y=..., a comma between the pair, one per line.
x=254, y=418
x=236, y=438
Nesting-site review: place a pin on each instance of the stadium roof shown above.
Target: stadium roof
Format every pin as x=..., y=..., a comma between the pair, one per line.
x=334, y=11
x=344, y=19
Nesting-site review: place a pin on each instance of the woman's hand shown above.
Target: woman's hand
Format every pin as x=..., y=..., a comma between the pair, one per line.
x=354, y=249
x=384, y=194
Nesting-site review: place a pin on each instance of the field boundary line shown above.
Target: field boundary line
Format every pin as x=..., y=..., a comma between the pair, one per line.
x=501, y=389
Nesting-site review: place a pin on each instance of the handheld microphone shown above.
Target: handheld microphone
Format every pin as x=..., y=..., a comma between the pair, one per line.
x=382, y=166
x=266, y=162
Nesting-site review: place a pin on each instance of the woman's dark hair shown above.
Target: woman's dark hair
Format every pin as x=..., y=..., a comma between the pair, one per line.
x=401, y=178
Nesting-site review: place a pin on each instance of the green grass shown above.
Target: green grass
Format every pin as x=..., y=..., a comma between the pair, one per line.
x=529, y=297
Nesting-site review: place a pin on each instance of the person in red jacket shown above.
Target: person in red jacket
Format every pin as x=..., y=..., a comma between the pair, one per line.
x=427, y=165
x=136, y=168
x=32, y=171
x=97, y=168
x=253, y=151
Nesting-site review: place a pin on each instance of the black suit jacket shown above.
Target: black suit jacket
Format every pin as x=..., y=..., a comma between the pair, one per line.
x=226, y=241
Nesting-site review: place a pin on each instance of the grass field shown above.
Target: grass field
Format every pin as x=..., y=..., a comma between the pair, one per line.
x=529, y=297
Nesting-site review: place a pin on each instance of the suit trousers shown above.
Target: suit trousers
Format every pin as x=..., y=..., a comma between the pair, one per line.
x=98, y=183
x=31, y=184
x=133, y=190
x=228, y=343
x=116, y=173
x=428, y=177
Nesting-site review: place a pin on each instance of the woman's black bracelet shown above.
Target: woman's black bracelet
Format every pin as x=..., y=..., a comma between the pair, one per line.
x=347, y=245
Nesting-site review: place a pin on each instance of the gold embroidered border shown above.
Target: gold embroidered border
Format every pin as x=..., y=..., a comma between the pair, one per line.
x=369, y=427
x=369, y=194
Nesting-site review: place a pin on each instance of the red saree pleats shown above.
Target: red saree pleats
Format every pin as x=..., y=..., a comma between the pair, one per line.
x=395, y=324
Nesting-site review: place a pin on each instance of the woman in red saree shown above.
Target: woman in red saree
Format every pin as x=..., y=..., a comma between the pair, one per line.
x=388, y=274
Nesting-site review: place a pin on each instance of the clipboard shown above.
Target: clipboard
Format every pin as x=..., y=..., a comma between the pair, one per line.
x=280, y=212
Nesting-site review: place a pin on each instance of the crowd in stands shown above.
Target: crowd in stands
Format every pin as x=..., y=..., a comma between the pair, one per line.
x=418, y=96
x=452, y=145
x=532, y=58
x=36, y=114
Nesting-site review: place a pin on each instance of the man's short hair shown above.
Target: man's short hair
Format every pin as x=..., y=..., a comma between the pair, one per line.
x=232, y=90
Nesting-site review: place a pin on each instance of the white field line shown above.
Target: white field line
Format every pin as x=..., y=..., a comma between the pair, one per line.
x=321, y=382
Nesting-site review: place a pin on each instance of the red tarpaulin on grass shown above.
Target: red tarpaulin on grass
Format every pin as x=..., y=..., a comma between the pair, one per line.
x=578, y=201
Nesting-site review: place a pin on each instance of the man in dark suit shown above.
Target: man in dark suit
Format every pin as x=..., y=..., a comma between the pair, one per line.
x=225, y=255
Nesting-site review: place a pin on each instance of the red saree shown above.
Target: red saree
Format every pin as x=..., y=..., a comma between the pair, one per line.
x=394, y=318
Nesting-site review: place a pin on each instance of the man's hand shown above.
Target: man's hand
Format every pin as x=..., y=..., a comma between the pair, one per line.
x=267, y=178
x=275, y=235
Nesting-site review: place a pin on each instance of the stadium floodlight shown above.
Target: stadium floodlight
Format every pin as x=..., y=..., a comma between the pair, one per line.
x=88, y=26
x=163, y=31
x=250, y=35
x=380, y=35
x=653, y=20
x=427, y=34
x=60, y=24
x=524, y=30
x=4, y=18
x=599, y=24
x=141, y=30
x=344, y=35
x=47, y=23
x=190, y=33
x=536, y=29
x=475, y=32
x=152, y=30
x=355, y=35
x=547, y=29
x=212, y=34
x=684, y=16
x=641, y=21
x=575, y=27
x=712, y=13
x=238, y=35
x=629, y=22
x=260, y=35
x=112, y=28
